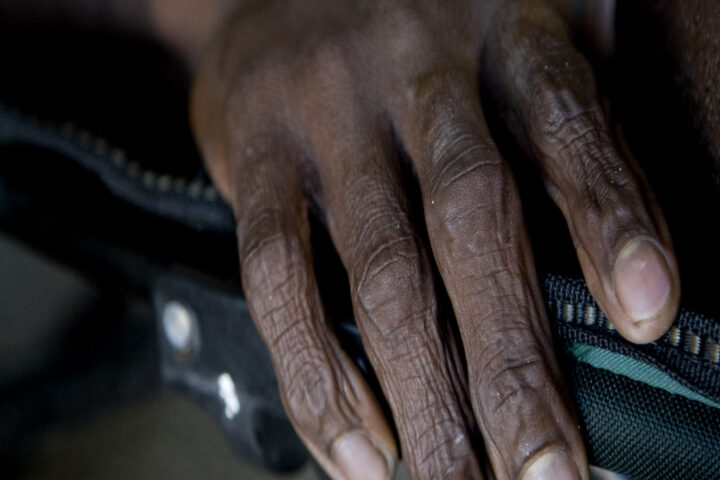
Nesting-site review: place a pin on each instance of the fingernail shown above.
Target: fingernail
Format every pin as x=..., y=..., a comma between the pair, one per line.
x=358, y=459
x=552, y=466
x=642, y=279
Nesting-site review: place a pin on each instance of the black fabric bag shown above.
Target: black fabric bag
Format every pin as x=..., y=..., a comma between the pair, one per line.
x=98, y=169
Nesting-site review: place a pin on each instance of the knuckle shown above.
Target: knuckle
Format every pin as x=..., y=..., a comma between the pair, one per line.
x=311, y=393
x=568, y=117
x=270, y=256
x=571, y=134
x=402, y=42
x=434, y=89
x=442, y=451
x=602, y=185
x=475, y=206
x=511, y=373
x=554, y=64
x=462, y=160
x=567, y=121
x=457, y=151
x=560, y=91
x=307, y=383
x=388, y=279
x=329, y=56
x=255, y=87
x=596, y=178
x=277, y=276
x=278, y=287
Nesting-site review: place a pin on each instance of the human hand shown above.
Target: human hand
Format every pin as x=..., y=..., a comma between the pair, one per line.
x=305, y=105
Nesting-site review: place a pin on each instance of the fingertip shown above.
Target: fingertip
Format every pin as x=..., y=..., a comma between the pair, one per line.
x=646, y=288
x=369, y=451
x=643, y=282
x=358, y=458
x=551, y=465
x=647, y=331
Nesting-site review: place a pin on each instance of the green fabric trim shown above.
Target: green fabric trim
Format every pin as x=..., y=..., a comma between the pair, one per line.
x=635, y=370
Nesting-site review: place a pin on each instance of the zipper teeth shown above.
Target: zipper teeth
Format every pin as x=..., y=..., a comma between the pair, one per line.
x=99, y=147
x=160, y=182
x=681, y=338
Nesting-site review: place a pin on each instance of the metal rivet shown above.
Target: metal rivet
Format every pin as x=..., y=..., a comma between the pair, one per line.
x=227, y=392
x=180, y=326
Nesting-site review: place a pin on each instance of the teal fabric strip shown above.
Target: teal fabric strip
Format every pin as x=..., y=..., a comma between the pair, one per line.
x=635, y=370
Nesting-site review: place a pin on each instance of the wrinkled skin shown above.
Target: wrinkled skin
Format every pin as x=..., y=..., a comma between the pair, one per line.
x=305, y=104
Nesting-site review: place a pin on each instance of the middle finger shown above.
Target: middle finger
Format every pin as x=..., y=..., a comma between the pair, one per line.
x=478, y=237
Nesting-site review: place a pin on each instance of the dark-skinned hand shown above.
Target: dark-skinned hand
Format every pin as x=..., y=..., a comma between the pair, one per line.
x=303, y=104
